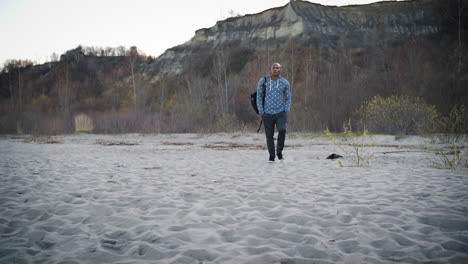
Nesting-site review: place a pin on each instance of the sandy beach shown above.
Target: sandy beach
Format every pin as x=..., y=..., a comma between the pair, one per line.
x=191, y=198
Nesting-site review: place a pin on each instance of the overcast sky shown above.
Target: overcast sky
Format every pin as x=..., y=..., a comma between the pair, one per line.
x=34, y=29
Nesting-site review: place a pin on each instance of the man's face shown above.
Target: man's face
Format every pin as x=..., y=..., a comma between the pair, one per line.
x=275, y=70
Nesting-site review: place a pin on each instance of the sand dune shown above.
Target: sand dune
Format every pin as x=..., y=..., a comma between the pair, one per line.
x=214, y=199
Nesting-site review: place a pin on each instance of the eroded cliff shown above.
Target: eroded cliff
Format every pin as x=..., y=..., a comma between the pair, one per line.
x=307, y=23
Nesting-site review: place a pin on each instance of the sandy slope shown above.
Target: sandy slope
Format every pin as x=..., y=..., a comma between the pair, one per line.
x=215, y=199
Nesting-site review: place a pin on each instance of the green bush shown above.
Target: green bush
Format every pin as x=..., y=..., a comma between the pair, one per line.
x=399, y=115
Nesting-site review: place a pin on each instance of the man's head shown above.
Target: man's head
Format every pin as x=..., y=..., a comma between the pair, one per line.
x=275, y=69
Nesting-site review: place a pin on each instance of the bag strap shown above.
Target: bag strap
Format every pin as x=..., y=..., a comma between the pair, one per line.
x=260, y=126
x=264, y=91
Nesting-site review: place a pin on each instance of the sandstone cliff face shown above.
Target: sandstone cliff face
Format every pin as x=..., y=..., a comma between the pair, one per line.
x=327, y=26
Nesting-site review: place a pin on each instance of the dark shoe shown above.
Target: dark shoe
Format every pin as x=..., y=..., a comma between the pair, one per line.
x=271, y=159
x=280, y=156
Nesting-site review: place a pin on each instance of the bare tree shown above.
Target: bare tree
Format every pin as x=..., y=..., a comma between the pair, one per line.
x=12, y=67
x=219, y=74
x=120, y=51
x=460, y=8
x=20, y=90
x=198, y=93
x=132, y=59
x=54, y=57
x=290, y=53
x=62, y=82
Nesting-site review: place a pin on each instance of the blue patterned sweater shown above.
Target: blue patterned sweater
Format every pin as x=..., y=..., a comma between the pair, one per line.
x=278, y=96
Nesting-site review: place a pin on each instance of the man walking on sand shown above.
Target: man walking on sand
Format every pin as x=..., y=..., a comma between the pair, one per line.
x=275, y=111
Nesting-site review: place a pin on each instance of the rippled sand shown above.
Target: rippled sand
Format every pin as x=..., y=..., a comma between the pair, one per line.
x=215, y=199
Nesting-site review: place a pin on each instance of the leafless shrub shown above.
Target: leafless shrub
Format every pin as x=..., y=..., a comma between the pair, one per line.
x=43, y=123
x=8, y=123
x=229, y=123
x=116, y=122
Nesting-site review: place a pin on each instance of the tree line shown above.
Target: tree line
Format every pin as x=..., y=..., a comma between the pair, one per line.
x=114, y=87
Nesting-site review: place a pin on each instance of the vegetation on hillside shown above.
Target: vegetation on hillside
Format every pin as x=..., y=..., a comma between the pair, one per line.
x=405, y=86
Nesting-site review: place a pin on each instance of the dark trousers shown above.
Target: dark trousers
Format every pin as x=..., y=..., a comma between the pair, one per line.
x=269, y=122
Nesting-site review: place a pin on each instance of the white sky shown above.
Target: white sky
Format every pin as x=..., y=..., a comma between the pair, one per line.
x=34, y=29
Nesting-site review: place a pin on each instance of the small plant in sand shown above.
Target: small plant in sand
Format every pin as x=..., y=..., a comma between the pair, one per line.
x=456, y=157
x=454, y=128
x=83, y=124
x=451, y=127
x=357, y=141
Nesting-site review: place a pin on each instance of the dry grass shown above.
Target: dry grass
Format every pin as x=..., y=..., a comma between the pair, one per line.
x=83, y=124
x=115, y=143
x=232, y=145
x=177, y=143
x=41, y=140
x=229, y=146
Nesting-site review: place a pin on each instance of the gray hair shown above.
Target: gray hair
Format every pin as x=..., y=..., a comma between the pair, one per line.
x=275, y=64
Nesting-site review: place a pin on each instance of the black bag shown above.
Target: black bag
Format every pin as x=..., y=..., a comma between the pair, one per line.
x=253, y=97
x=253, y=100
